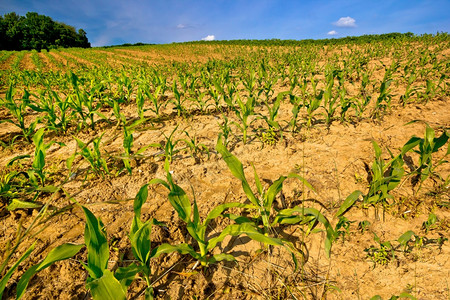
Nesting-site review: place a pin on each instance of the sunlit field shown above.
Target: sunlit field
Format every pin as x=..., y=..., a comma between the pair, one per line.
x=227, y=170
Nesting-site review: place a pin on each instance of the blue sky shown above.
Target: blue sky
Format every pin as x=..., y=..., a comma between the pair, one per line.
x=111, y=22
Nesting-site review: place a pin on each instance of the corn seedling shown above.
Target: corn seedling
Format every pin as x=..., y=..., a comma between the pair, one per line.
x=140, y=234
x=93, y=156
x=103, y=283
x=274, y=125
x=127, y=146
x=262, y=203
x=18, y=109
x=342, y=228
x=56, y=111
x=225, y=130
x=35, y=177
x=169, y=150
x=360, y=103
x=383, y=102
x=384, y=177
x=243, y=113
x=427, y=146
x=179, y=99
x=297, y=104
x=314, y=102
x=195, y=148
x=381, y=254
x=197, y=228
x=329, y=100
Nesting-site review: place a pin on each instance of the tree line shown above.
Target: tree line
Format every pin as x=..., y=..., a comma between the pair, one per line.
x=363, y=39
x=35, y=31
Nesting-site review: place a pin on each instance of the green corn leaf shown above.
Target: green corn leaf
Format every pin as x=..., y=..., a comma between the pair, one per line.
x=39, y=161
x=62, y=252
x=177, y=197
x=377, y=149
x=126, y=275
x=440, y=141
x=181, y=248
x=218, y=210
x=107, y=287
x=140, y=199
x=429, y=135
x=196, y=216
x=406, y=237
x=96, y=243
x=38, y=138
x=348, y=202
x=8, y=274
x=19, y=204
x=160, y=181
x=48, y=189
x=180, y=202
x=19, y=157
x=244, y=228
x=257, y=181
x=413, y=142
x=220, y=257
x=303, y=180
x=236, y=169
x=272, y=192
x=141, y=243
x=284, y=216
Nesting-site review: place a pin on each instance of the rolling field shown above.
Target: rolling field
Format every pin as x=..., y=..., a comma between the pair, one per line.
x=227, y=170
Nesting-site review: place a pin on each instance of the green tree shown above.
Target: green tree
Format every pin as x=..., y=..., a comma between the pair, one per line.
x=38, y=32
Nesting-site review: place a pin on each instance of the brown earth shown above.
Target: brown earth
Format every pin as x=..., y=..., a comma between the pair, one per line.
x=332, y=159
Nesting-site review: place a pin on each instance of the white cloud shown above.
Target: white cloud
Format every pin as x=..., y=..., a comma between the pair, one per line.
x=345, y=22
x=209, y=38
x=332, y=32
x=181, y=26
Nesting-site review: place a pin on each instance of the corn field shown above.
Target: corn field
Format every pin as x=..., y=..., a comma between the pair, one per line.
x=229, y=169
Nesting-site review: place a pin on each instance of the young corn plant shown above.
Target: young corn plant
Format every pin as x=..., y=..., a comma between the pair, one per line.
x=384, y=177
x=179, y=99
x=329, y=99
x=297, y=104
x=94, y=157
x=197, y=228
x=427, y=147
x=243, y=113
x=383, y=102
x=262, y=203
x=360, y=103
x=56, y=111
x=274, y=126
x=101, y=282
x=18, y=109
x=169, y=146
x=155, y=99
x=140, y=233
x=314, y=102
x=225, y=129
x=195, y=148
x=410, y=91
x=200, y=102
x=35, y=177
x=127, y=146
x=430, y=91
